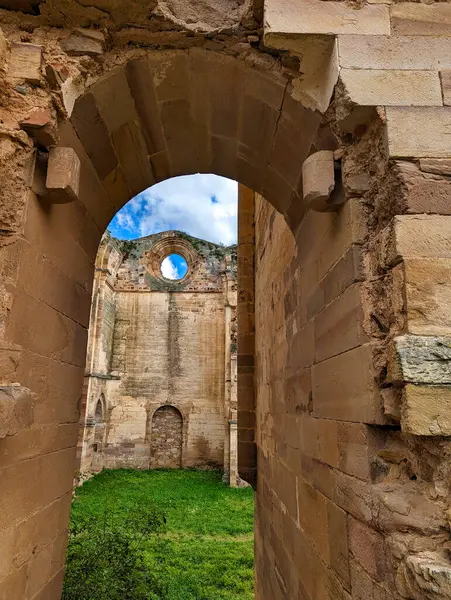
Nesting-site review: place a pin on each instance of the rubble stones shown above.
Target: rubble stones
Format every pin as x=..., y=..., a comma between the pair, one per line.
x=41, y=126
x=77, y=45
x=25, y=62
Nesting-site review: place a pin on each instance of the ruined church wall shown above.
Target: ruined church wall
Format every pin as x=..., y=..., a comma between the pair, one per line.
x=168, y=349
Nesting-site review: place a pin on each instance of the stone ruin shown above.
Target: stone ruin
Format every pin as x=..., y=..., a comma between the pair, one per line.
x=160, y=382
x=337, y=116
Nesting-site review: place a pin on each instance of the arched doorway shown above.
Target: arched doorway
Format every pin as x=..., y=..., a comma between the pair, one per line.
x=166, y=438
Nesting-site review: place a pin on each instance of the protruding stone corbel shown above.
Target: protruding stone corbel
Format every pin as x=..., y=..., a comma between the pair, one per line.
x=318, y=182
x=56, y=175
x=63, y=175
x=16, y=409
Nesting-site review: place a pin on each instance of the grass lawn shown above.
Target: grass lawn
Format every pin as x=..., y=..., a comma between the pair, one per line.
x=206, y=549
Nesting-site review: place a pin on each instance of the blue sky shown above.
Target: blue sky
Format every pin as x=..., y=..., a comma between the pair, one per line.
x=174, y=266
x=202, y=205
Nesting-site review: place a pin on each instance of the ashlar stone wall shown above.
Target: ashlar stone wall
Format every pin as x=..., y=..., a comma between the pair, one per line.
x=157, y=386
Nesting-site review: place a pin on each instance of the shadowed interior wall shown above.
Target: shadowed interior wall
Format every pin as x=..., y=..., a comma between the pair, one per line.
x=307, y=430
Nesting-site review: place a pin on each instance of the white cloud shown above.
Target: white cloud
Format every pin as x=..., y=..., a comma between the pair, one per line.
x=203, y=205
x=169, y=269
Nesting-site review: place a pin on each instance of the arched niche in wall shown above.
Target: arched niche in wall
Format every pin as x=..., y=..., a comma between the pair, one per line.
x=99, y=434
x=166, y=440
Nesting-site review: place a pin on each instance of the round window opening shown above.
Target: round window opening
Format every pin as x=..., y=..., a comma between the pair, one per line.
x=174, y=267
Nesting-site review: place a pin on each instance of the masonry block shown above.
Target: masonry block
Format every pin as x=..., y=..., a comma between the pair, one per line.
x=428, y=131
x=420, y=359
x=439, y=166
x=313, y=517
x=416, y=236
x=25, y=62
x=369, y=549
x=80, y=45
x=363, y=586
x=411, y=18
x=16, y=409
x=348, y=228
x=445, y=79
x=405, y=52
x=63, y=175
x=428, y=295
x=57, y=74
x=392, y=87
x=285, y=18
x=41, y=126
x=422, y=191
x=339, y=327
x=426, y=410
x=337, y=525
x=344, y=387
x=91, y=34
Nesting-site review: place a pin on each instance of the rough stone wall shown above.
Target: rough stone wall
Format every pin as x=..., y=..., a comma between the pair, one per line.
x=154, y=344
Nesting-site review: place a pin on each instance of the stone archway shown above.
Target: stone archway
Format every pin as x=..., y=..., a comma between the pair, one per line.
x=172, y=113
x=169, y=113
x=166, y=438
x=332, y=438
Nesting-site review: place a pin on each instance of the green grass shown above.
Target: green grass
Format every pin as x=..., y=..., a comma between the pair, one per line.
x=206, y=549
